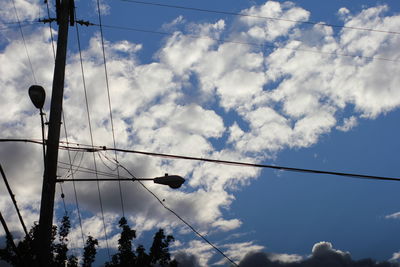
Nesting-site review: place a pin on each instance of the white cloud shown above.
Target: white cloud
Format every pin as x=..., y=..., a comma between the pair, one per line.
x=348, y=124
x=104, y=6
x=273, y=100
x=26, y=10
x=263, y=29
x=395, y=215
x=396, y=256
x=235, y=251
x=202, y=251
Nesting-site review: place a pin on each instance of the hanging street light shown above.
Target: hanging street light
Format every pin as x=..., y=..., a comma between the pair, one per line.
x=173, y=181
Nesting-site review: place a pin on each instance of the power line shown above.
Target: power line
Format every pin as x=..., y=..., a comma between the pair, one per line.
x=51, y=31
x=23, y=39
x=70, y=173
x=9, y=236
x=247, y=164
x=73, y=183
x=216, y=161
x=10, y=192
x=89, y=171
x=109, y=103
x=69, y=152
x=63, y=200
x=108, y=167
x=179, y=217
x=261, y=45
x=91, y=140
x=23, y=24
x=66, y=138
x=259, y=17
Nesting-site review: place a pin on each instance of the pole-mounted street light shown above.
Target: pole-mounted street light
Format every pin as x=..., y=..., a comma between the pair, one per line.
x=173, y=181
x=38, y=96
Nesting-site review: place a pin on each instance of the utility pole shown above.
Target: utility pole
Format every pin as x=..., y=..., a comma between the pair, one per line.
x=65, y=14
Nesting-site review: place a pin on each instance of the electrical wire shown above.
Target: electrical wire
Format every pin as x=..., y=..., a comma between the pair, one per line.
x=9, y=236
x=90, y=171
x=23, y=39
x=69, y=173
x=63, y=200
x=260, y=17
x=179, y=217
x=108, y=167
x=247, y=164
x=23, y=24
x=73, y=183
x=109, y=103
x=216, y=161
x=91, y=140
x=261, y=46
x=10, y=192
x=51, y=31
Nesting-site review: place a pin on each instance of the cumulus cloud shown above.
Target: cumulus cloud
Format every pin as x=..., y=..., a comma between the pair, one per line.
x=197, y=97
x=348, y=124
x=323, y=254
x=395, y=215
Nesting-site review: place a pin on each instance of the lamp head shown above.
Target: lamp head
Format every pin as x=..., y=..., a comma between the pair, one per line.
x=37, y=95
x=173, y=181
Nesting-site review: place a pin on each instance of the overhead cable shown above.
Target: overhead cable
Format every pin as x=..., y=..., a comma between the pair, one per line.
x=23, y=39
x=51, y=31
x=260, y=17
x=216, y=161
x=179, y=217
x=247, y=164
x=10, y=192
x=109, y=104
x=9, y=236
x=260, y=45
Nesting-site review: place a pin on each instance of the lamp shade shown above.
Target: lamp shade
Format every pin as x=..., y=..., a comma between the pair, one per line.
x=37, y=95
x=173, y=181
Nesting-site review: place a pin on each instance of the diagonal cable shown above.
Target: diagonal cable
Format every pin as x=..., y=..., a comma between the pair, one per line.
x=91, y=140
x=51, y=31
x=23, y=39
x=10, y=192
x=109, y=103
x=180, y=218
x=260, y=17
x=73, y=184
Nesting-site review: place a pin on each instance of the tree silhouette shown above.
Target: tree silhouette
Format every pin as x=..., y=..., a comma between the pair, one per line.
x=90, y=251
x=26, y=253
x=159, y=251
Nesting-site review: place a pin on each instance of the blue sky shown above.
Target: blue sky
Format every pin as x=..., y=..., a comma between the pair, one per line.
x=293, y=100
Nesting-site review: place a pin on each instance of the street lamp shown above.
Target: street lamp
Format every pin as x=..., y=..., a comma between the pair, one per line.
x=38, y=96
x=173, y=181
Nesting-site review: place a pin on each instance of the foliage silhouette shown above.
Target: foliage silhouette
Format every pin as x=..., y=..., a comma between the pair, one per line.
x=159, y=251
x=89, y=251
x=26, y=254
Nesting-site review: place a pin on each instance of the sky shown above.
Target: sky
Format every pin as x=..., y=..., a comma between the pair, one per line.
x=281, y=84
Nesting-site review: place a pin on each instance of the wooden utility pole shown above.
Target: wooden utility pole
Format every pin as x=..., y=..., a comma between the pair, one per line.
x=64, y=12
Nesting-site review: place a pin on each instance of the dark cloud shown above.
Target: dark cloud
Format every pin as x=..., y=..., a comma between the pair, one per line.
x=322, y=255
x=187, y=260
